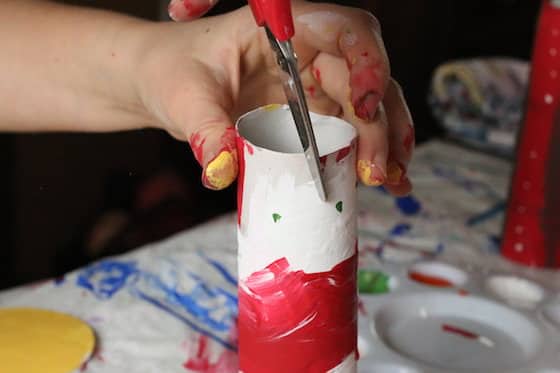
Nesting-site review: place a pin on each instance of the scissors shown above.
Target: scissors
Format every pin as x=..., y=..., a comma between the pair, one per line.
x=276, y=18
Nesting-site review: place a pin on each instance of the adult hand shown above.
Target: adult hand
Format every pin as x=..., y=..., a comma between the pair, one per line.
x=198, y=79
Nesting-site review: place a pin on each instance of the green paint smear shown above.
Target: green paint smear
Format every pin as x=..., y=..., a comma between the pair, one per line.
x=339, y=206
x=276, y=217
x=373, y=282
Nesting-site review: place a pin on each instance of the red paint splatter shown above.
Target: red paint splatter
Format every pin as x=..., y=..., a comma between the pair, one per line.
x=241, y=176
x=196, y=8
x=409, y=140
x=292, y=321
x=227, y=362
x=342, y=153
x=429, y=280
x=366, y=85
x=249, y=148
x=311, y=90
x=96, y=355
x=459, y=331
x=317, y=74
x=362, y=308
x=197, y=143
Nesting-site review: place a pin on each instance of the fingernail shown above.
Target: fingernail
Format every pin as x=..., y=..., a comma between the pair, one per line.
x=221, y=171
x=196, y=8
x=369, y=174
x=396, y=173
x=185, y=10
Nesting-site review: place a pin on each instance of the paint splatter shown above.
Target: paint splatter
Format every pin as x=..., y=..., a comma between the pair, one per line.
x=342, y=153
x=311, y=91
x=276, y=217
x=429, y=280
x=106, y=278
x=408, y=205
x=95, y=355
x=197, y=144
x=226, y=362
x=292, y=321
x=316, y=74
x=366, y=84
x=459, y=331
x=373, y=282
x=339, y=206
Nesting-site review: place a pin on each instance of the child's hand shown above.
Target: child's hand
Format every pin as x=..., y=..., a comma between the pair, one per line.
x=197, y=80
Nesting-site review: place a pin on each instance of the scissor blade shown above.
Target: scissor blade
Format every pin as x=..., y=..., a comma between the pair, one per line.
x=298, y=106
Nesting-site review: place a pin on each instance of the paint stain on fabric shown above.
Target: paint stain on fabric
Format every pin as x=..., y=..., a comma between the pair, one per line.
x=106, y=278
x=226, y=362
x=292, y=321
x=339, y=206
x=276, y=217
x=408, y=205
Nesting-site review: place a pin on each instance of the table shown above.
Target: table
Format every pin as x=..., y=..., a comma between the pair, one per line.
x=171, y=306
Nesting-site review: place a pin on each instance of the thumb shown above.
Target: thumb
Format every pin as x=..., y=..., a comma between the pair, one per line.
x=213, y=144
x=188, y=10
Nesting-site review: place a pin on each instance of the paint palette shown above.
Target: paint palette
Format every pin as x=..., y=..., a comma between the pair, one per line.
x=493, y=317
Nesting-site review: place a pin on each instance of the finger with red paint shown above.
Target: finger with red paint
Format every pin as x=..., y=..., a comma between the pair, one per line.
x=351, y=67
x=401, y=140
x=188, y=10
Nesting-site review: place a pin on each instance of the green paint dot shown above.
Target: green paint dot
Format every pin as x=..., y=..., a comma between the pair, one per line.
x=339, y=206
x=276, y=217
x=373, y=282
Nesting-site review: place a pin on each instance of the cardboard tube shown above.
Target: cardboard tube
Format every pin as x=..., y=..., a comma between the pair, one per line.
x=297, y=254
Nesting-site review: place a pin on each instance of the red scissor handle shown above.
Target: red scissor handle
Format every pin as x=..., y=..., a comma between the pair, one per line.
x=276, y=14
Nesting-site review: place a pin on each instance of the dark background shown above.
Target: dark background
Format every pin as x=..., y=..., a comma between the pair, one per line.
x=55, y=188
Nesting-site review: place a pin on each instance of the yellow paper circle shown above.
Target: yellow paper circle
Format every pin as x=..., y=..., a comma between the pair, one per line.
x=41, y=341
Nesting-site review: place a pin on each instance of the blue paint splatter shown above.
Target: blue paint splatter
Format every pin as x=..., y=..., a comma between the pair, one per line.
x=221, y=269
x=207, y=305
x=400, y=230
x=193, y=325
x=106, y=278
x=408, y=205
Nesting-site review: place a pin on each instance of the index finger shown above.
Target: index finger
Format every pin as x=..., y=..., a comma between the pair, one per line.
x=354, y=35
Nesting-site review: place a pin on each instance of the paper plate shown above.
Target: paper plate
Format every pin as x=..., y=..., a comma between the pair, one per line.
x=41, y=341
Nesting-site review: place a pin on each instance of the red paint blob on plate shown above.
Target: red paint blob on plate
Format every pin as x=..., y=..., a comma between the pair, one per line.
x=429, y=280
x=459, y=331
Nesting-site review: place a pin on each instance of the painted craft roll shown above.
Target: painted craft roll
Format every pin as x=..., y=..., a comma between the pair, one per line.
x=297, y=256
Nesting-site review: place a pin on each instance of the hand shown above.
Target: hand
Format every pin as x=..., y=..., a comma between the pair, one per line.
x=196, y=80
